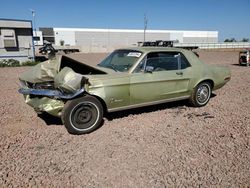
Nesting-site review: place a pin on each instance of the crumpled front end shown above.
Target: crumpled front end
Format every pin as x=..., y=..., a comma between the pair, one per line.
x=50, y=97
x=47, y=86
x=45, y=104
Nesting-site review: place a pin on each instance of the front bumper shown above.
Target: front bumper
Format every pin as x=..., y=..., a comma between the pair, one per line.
x=49, y=93
x=45, y=100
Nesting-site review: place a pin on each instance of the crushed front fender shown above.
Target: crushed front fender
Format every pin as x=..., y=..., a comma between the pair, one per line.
x=51, y=106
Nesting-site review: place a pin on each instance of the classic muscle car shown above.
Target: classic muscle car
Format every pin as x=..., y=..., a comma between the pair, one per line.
x=81, y=94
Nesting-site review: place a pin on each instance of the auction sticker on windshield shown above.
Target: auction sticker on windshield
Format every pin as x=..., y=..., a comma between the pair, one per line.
x=134, y=54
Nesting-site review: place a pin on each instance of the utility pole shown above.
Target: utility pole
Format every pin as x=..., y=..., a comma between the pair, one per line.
x=145, y=27
x=33, y=12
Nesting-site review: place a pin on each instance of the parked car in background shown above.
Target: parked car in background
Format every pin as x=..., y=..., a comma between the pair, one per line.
x=244, y=57
x=81, y=94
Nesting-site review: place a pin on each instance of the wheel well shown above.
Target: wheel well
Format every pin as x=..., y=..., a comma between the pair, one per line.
x=209, y=81
x=105, y=109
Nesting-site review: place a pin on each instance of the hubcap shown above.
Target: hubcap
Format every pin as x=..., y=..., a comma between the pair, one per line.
x=84, y=116
x=203, y=94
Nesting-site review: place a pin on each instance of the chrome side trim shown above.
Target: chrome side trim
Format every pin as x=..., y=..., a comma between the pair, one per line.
x=49, y=93
x=148, y=104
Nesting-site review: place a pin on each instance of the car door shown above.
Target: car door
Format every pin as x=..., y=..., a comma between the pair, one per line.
x=159, y=77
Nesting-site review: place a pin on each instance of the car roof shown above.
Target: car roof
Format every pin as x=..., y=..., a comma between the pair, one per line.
x=154, y=49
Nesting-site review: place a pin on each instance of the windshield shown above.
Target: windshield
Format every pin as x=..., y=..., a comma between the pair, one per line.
x=121, y=60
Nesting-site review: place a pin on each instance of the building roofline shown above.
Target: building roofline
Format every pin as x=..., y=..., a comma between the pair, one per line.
x=129, y=30
x=20, y=20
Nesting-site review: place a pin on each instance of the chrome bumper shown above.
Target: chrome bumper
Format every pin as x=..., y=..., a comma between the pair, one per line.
x=50, y=93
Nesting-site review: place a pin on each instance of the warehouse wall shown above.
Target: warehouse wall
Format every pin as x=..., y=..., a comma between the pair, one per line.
x=200, y=40
x=92, y=41
x=67, y=36
x=106, y=40
x=200, y=37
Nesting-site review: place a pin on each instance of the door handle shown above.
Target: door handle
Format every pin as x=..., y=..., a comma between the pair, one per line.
x=179, y=73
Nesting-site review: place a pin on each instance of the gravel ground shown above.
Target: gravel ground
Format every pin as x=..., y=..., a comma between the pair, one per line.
x=159, y=146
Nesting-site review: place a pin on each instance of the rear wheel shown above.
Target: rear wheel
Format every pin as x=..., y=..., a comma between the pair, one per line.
x=82, y=115
x=201, y=94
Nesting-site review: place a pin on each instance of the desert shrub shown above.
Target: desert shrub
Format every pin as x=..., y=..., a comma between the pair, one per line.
x=16, y=63
x=29, y=63
x=9, y=63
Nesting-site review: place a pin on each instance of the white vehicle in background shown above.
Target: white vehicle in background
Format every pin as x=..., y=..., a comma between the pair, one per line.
x=244, y=58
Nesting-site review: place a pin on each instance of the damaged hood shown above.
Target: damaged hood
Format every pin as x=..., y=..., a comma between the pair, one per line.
x=42, y=72
x=61, y=77
x=48, y=70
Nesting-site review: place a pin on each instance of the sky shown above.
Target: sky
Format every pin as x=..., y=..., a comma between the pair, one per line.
x=229, y=17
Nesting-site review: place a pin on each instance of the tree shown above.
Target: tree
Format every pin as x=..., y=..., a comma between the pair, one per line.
x=230, y=40
x=245, y=40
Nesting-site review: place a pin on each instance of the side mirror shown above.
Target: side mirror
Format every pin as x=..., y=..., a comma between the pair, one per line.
x=149, y=69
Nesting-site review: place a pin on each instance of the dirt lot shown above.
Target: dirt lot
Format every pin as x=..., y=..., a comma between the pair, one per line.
x=160, y=146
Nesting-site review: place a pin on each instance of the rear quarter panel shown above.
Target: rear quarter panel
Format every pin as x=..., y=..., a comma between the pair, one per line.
x=202, y=72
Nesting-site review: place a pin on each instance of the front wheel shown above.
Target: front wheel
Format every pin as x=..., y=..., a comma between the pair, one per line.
x=82, y=115
x=201, y=94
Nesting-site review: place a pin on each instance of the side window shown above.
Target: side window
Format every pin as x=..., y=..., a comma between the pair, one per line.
x=163, y=61
x=184, y=62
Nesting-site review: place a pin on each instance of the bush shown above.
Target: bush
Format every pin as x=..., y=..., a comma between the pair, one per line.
x=9, y=63
x=230, y=40
x=29, y=63
x=16, y=63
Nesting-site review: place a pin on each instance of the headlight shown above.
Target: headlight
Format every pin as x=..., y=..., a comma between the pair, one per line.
x=23, y=84
x=46, y=85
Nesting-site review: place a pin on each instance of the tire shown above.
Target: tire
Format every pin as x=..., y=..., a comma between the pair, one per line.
x=201, y=94
x=82, y=115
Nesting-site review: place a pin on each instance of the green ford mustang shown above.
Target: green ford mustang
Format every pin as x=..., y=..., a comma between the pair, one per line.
x=128, y=78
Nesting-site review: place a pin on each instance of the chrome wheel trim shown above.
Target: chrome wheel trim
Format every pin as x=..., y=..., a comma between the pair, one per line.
x=203, y=94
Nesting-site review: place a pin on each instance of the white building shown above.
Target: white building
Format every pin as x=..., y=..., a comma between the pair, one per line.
x=106, y=40
x=38, y=38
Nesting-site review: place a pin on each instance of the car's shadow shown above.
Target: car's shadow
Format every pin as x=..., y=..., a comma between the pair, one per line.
x=148, y=109
x=237, y=64
x=51, y=120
